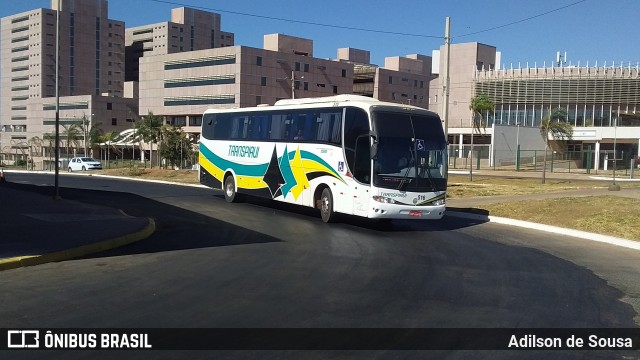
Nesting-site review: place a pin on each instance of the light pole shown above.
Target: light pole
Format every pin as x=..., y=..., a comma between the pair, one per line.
x=614, y=186
x=293, y=84
x=518, y=146
x=56, y=194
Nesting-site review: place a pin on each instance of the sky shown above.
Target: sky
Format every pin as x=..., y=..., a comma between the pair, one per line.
x=526, y=32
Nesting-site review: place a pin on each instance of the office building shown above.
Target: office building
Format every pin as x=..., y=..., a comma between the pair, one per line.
x=188, y=30
x=181, y=86
x=91, y=72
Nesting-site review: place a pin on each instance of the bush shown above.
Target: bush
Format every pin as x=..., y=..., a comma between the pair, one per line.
x=135, y=170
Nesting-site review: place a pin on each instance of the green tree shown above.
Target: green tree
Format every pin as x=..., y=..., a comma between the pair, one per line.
x=176, y=145
x=72, y=134
x=554, y=126
x=108, y=139
x=479, y=105
x=149, y=128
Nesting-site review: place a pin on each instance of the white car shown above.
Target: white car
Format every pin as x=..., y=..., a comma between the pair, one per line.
x=84, y=163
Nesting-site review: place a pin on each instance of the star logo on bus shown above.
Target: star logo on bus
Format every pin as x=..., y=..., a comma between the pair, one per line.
x=273, y=176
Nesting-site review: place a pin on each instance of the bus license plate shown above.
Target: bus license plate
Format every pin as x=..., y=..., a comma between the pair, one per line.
x=415, y=213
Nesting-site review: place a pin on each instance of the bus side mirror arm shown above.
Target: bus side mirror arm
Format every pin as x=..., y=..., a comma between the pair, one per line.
x=374, y=144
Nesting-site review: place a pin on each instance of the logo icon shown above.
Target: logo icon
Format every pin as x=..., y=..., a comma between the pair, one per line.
x=22, y=339
x=340, y=165
x=420, y=144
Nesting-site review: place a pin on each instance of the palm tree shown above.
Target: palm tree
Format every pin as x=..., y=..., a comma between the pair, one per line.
x=149, y=128
x=108, y=139
x=91, y=133
x=554, y=127
x=479, y=105
x=35, y=148
x=72, y=133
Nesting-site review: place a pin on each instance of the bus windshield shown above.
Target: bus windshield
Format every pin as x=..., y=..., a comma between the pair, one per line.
x=411, y=152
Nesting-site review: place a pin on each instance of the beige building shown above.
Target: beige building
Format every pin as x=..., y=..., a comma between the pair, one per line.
x=92, y=67
x=465, y=59
x=403, y=80
x=188, y=30
x=182, y=86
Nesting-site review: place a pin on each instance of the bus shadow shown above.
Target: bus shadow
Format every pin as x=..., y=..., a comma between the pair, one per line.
x=176, y=228
x=447, y=223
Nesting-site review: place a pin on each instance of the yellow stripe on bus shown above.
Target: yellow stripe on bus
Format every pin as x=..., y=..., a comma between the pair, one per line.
x=313, y=166
x=250, y=182
x=212, y=169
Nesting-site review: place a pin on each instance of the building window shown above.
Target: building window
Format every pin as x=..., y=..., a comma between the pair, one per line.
x=335, y=89
x=390, y=79
x=114, y=121
x=263, y=81
x=109, y=106
x=344, y=73
x=297, y=66
x=306, y=67
x=258, y=100
x=259, y=60
x=306, y=85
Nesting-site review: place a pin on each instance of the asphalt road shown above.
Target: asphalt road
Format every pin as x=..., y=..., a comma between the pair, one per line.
x=260, y=264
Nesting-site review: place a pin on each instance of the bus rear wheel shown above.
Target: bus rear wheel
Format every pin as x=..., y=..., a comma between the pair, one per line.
x=326, y=206
x=230, y=193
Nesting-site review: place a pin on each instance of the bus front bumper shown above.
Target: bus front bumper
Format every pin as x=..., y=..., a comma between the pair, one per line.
x=392, y=211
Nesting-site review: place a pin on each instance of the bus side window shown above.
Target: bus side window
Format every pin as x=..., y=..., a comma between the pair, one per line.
x=329, y=127
x=278, y=127
x=221, y=126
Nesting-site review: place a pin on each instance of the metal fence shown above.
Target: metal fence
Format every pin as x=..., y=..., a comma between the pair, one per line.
x=626, y=164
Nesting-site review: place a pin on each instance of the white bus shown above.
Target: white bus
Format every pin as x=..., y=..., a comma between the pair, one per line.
x=341, y=154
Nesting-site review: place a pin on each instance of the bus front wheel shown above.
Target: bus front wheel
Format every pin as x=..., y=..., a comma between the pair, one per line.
x=326, y=206
x=230, y=193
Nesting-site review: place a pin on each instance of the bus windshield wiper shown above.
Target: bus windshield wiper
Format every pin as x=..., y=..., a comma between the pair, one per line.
x=406, y=172
x=429, y=176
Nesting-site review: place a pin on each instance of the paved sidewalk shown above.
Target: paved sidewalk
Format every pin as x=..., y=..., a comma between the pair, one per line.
x=36, y=229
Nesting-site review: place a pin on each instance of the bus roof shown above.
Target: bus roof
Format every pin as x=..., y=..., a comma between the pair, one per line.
x=326, y=101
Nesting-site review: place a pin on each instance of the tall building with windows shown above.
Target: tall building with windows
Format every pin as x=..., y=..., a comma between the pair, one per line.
x=602, y=103
x=403, y=80
x=188, y=30
x=181, y=86
x=91, y=63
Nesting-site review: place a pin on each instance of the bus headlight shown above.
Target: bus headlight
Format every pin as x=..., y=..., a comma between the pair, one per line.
x=384, y=200
x=437, y=202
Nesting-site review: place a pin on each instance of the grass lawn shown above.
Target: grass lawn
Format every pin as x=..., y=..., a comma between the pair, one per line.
x=608, y=215
x=459, y=186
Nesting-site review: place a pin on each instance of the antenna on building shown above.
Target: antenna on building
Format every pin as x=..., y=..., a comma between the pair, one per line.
x=560, y=59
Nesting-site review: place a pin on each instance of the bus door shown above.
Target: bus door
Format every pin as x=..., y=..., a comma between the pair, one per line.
x=361, y=188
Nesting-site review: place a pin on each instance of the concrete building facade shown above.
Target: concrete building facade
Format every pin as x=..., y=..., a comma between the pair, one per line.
x=602, y=104
x=188, y=30
x=91, y=62
x=403, y=80
x=182, y=86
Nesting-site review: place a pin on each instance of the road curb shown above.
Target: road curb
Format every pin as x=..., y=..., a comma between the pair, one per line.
x=23, y=261
x=549, y=228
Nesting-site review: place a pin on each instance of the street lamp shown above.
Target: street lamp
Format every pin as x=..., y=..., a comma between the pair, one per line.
x=614, y=186
x=56, y=186
x=518, y=146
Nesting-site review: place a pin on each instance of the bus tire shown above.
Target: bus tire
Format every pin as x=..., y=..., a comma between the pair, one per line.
x=326, y=206
x=230, y=193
